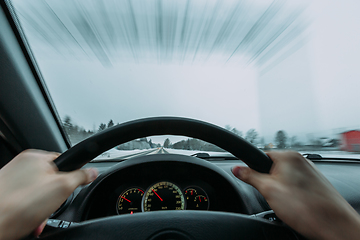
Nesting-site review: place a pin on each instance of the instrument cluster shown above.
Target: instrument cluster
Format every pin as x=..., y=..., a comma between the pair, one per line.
x=163, y=195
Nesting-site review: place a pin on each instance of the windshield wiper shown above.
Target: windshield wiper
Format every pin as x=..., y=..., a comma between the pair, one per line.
x=312, y=156
x=317, y=157
x=207, y=156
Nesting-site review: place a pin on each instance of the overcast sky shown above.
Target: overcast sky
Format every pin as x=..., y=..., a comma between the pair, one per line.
x=219, y=92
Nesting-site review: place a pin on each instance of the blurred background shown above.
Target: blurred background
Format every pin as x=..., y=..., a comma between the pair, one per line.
x=282, y=74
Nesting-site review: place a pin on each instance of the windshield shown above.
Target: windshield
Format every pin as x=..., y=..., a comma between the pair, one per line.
x=281, y=74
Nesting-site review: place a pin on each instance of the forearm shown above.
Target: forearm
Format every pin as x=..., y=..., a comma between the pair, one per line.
x=346, y=227
x=7, y=222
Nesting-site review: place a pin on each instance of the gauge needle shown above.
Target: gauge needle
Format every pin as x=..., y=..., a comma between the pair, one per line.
x=199, y=199
x=126, y=199
x=157, y=195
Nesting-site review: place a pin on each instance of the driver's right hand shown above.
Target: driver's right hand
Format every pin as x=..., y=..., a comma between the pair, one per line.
x=303, y=198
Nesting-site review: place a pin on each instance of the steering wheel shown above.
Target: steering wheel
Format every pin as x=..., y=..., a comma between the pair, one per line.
x=182, y=225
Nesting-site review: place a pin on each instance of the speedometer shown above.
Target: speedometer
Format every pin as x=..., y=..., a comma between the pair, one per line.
x=163, y=196
x=129, y=201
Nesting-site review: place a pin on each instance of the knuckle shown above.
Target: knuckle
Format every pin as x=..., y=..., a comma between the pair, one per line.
x=27, y=152
x=296, y=154
x=65, y=185
x=265, y=189
x=297, y=158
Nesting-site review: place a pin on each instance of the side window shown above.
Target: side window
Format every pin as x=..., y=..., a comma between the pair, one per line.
x=6, y=151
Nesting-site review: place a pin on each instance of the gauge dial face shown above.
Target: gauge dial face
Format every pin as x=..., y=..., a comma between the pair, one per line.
x=163, y=196
x=196, y=199
x=129, y=201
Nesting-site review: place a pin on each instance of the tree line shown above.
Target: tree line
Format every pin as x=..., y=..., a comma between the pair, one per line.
x=192, y=144
x=281, y=139
x=76, y=134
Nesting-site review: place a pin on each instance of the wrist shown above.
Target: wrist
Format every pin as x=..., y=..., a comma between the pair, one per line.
x=346, y=227
x=9, y=217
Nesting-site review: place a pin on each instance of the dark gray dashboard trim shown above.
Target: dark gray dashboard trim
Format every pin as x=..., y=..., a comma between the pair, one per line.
x=24, y=109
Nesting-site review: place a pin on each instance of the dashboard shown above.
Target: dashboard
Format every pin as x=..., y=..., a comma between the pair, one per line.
x=165, y=182
x=160, y=183
x=172, y=186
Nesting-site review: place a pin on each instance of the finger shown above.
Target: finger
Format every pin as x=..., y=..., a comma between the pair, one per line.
x=81, y=177
x=38, y=154
x=274, y=156
x=250, y=176
x=290, y=157
x=39, y=229
x=41, y=154
x=284, y=156
x=53, y=156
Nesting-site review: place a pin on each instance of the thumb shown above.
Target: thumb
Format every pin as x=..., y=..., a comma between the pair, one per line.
x=82, y=176
x=250, y=176
x=39, y=229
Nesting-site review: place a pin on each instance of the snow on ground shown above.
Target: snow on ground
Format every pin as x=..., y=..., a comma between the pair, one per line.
x=334, y=154
x=191, y=152
x=114, y=153
x=325, y=154
x=329, y=154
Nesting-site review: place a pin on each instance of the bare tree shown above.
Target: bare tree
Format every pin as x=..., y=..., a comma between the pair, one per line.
x=251, y=135
x=293, y=141
x=102, y=126
x=228, y=127
x=167, y=143
x=237, y=132
x=281, y=139
x=110, y=124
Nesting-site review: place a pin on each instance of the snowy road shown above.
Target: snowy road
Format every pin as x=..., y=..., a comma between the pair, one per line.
x=116, y=155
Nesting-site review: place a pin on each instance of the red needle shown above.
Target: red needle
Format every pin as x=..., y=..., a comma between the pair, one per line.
x=199, y=199
x=157, y=194
x=125, y=199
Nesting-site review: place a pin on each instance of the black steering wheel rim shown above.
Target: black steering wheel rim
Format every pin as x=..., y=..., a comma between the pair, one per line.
x=85, y=151
x=182, y=225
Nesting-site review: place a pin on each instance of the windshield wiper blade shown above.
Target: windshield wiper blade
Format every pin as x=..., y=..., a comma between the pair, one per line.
x=108, y=160
x=312, y=156
x=201, y=155
x=208, y=157
x=317, y=157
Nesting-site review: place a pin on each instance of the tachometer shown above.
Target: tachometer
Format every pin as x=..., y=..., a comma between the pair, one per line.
x=163, y=196
x=129, y=201
x=196, y=199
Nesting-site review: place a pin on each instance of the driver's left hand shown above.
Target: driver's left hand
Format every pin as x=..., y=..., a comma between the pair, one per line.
x=31, y=188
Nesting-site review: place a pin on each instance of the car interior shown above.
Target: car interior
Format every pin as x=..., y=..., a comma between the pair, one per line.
x=127, y=200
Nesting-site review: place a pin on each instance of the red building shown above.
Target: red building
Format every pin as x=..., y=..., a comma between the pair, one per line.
x=350, y=141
